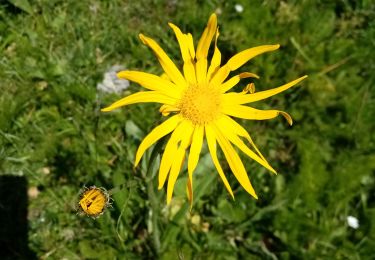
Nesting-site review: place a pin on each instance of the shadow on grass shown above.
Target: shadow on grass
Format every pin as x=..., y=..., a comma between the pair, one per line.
x=13, y=218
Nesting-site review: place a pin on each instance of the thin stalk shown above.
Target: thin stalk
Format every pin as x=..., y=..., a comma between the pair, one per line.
x=154, y=214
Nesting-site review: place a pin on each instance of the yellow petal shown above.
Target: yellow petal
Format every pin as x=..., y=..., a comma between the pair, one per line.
x=151, y=82
x=171, y=149
x=141, y=97
x=238, y=60
x=201, y=70
x=182, y=41
x=250, y=88
x=235, y=163
x=189, y=72
x=158, y=132
x=168, y=156
x=230, y=83
x=189, y=191
x=254, y=114
x=230, y=133
x=190, y=43
x=195, y=149
x=165, y=76
x=165, y=110
x=175, y=169
x=244, y=56
x=220, y=76
x=216, y=59
x=178, y=160
x=239, y=130
x=211, y=142
x=168, y=66
x=266, y=93
x=206, y=38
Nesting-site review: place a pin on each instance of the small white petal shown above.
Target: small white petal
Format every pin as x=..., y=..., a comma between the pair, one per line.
x=238, y=8
x=352, y=222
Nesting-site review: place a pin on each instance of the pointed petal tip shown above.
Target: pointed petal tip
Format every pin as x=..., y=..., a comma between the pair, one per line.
x=254, y=195
x=136, y=162
x=301, y=78
x=142, y=37
x=271, y=169
x=213, y=16
x=106, y=109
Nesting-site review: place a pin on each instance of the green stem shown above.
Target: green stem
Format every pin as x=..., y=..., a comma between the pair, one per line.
x=154, y=214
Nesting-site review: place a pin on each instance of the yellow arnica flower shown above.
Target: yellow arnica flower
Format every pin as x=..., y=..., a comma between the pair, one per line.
x=93, y=201
x=199, y=105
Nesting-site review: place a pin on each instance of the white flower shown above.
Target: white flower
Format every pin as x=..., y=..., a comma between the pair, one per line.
x=112, y=84
x=238, y=8
x=352, y=222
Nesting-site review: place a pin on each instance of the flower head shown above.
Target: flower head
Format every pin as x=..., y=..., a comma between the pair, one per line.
x=93, y=201
x=200, y=107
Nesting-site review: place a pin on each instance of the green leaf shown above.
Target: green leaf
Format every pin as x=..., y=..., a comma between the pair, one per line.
x=24, y=5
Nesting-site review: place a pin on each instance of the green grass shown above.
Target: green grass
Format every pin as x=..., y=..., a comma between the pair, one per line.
x=53, y=53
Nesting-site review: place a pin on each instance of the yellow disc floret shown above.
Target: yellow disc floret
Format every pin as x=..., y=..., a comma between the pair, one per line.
x=200, y=104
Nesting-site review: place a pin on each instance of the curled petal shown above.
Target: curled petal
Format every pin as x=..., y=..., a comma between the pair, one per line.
x=182, y=41
x=186, y=52
x=230, y=83
x=254, y=114
x=165, y=110
x=206, y=38
x=216, y=59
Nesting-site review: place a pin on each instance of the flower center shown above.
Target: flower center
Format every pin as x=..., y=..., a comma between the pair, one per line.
x=200, y=104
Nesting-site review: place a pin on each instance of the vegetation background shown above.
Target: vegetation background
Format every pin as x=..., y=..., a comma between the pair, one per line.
x=53, y=55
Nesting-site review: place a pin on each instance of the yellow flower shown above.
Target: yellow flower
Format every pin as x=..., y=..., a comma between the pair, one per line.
x=200, y=105
x=93, y=201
